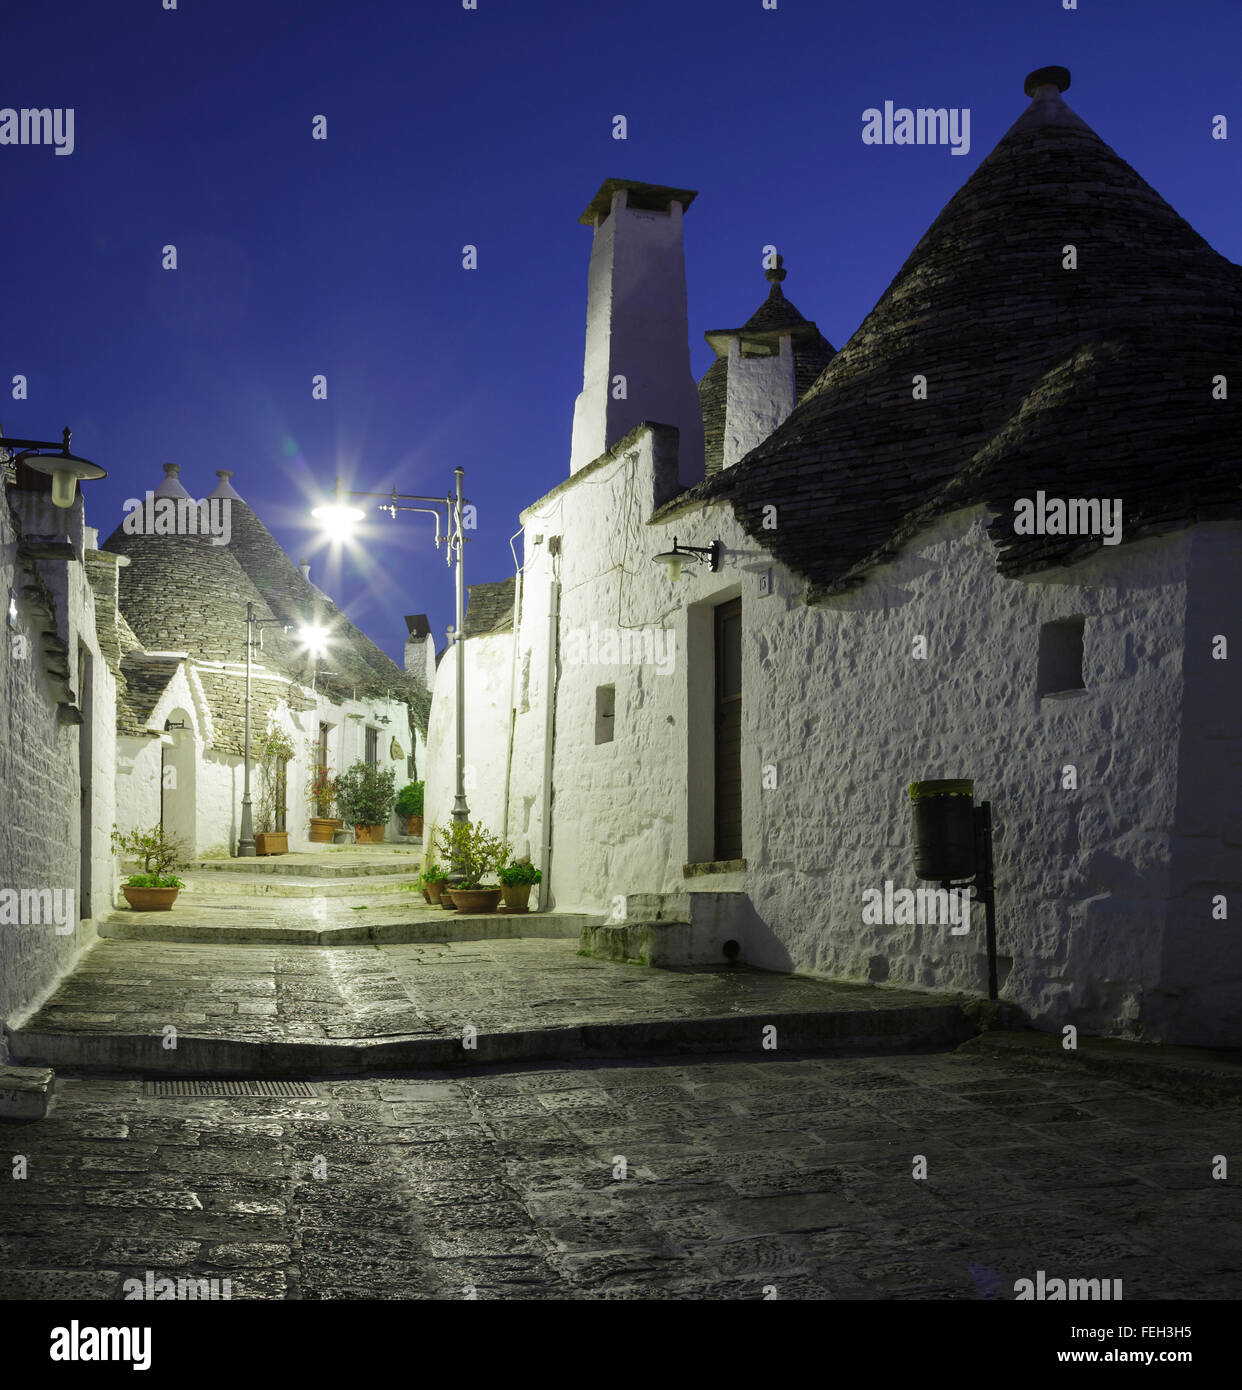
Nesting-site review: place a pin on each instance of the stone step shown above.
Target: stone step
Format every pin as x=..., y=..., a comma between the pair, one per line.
x=241, y=885
x=342, y=861
x=249, y=926
x=841, y=1031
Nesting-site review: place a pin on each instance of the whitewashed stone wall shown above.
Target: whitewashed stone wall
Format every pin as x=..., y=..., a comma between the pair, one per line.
x=215, y=786
x=1104, y=891
x=489, y=663
x=760, y=395
x=42, y=762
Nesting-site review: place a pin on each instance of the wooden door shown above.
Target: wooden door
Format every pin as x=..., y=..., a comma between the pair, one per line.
x=728, y=838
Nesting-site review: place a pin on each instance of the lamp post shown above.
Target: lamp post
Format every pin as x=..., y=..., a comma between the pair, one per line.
x=245, y=839
x=451, y=511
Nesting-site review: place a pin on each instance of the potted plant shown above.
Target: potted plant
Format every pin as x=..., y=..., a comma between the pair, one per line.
x=366, y=797
x=155, y=889
x=321, y=791
x=272, y=750
x=434, y=880
x=410, y=805
x=475, y=853
x=516, y=880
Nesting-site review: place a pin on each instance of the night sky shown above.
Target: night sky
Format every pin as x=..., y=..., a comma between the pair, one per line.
x=490, y=127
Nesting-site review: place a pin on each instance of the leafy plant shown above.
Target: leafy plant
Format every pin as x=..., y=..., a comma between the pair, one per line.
x=365, y=794
x=154, y=881
x=433, y=874
x=159, y=851
x=270, y=749
x=520, y=871
x=322, y=791
x=473, y=851
x=410, y=800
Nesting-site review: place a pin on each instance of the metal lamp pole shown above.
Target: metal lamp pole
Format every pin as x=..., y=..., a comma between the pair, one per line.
x=245, y=839
x=451, y=510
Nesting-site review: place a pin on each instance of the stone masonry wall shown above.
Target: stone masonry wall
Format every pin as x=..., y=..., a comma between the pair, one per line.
x=842, y=715
x=43, y=761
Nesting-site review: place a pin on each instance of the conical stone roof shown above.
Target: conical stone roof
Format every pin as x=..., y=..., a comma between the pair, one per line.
x=186, y=594
x=1096, y=381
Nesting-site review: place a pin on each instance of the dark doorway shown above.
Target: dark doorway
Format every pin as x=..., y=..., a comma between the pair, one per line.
x=728, y=840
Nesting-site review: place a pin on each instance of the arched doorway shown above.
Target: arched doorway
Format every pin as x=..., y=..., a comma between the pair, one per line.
x=178, y=776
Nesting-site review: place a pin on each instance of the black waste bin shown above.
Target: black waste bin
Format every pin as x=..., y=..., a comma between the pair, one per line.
x=944, y=829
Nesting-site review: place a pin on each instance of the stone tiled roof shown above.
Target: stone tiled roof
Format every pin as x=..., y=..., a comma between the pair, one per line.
x=1094, y=382
x=146, y=679
x=489, y=608
x=183, y=593
x=812, y=353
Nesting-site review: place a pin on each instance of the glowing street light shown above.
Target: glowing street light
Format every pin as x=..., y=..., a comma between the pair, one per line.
x=314, y=639
x=338, y=516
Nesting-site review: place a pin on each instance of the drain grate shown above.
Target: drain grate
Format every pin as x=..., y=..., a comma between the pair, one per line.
x=226, y=1088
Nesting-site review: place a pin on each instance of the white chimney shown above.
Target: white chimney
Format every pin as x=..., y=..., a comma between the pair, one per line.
x=637, y=361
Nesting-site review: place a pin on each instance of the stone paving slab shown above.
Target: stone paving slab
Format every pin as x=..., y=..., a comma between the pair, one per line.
x=710, y=1178
x=274, y=1011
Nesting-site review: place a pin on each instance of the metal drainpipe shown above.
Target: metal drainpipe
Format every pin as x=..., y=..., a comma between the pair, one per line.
x=517, y=616
x=549, y=728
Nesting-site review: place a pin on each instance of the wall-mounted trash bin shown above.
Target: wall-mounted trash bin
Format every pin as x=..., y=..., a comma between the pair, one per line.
x=944, y=829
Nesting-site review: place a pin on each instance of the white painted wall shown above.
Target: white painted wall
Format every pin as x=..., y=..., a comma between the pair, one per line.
x=43, y=762
x=760, y=395
x=1095, y=885
x=637, y=328
x=488, y=664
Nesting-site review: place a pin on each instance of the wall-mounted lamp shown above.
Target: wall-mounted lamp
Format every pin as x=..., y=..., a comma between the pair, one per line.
x=66, y=471
x=674, y=558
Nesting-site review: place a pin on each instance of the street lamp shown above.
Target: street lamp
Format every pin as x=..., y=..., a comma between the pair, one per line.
x=245, y=839
x=338, y=516
x=65, y=469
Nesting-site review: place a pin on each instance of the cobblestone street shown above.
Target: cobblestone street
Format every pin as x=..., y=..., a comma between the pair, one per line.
x=740, y=1175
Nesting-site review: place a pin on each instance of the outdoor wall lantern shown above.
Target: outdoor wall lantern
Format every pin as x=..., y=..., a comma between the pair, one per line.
x=680, y=553
x=953, y=841
x=66, y=470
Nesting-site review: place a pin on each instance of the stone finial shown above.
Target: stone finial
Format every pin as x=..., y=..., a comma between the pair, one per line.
x=172, y=469
x=224, y=474
x=1057, y=77
x=775, y=274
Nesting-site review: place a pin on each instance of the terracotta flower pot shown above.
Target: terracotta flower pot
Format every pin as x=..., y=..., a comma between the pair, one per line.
x=322, y=828
x=150, y=899
x=476, y=899
x=517, y=896
x=369, y=834
x=446, y=899
x=426, y=896
x=414, y=825
x=271, y=842
x=433, y=890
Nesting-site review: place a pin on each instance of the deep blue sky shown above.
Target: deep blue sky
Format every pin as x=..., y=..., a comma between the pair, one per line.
x=492, y=127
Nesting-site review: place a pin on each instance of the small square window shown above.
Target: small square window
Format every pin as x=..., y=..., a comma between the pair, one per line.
x=1060, y=657
x=605, y=712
